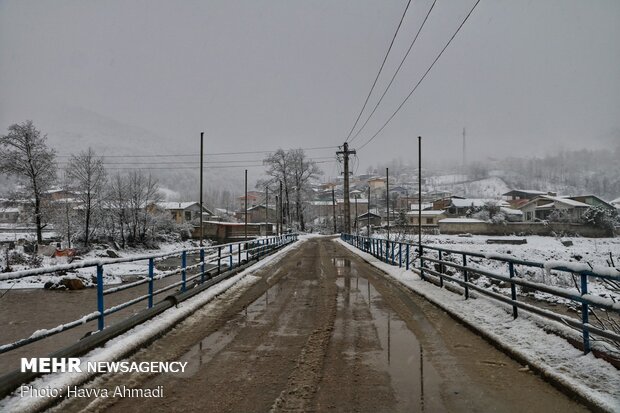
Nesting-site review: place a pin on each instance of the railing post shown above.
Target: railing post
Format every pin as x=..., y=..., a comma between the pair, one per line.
x=219, y=260
x=584, y=315
x=440, y=269
x=392, y=249
x=400, y=254
x=513, y=289
x=421, y=251
x=239, y=254
x=151, y=271
x=100, y=306
x=230, y=255
x=202, y=265
x=183, y=269
x=465, y=276
x=407, y=257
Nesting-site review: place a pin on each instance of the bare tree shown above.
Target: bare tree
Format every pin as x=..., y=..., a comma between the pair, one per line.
x=24, y=153
x=88, y=177
x=142, y=190
x=279, y=167
x=117, y=207
x=304, y=171
x=64, y=214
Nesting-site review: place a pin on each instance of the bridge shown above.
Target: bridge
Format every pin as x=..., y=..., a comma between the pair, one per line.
x=319, y=324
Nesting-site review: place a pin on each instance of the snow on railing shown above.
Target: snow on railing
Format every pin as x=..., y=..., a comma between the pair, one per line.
x=235, y=253
x=399, y=253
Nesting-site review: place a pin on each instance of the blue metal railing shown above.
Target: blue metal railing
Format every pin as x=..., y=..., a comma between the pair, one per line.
x=244, y=251
x=385, y=250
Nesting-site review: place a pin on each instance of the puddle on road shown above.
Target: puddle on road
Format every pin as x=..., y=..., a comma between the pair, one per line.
x=204, y=351
x=414, y=380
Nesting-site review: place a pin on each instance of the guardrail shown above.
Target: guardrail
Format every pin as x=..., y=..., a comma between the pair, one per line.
x=400, y=253
x=219, y=257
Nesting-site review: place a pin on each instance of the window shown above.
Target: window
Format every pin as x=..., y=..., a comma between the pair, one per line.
x=429, y=220
x=188, y=215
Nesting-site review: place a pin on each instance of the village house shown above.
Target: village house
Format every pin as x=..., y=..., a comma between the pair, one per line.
x=182, y=212
x=592, y=200
x=376, y=184
x=520, y=197
x=254, y=198
x=541, y=208
x=9, y=215
x=367, y=218
x=430, y=218
x=461, y=207
x=258, y=214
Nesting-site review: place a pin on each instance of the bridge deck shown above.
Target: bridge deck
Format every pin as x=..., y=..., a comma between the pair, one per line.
x=324, y=331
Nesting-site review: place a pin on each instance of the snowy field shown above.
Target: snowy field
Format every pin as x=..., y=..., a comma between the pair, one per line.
x=113, y=273
x=597, y=252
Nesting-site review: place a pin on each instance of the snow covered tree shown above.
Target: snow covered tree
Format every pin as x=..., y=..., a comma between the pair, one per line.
x=88, y=177
x=600, y=217
x=25, y=154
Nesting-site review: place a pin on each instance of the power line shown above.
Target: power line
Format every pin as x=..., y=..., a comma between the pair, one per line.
x=396, y=72
x=422, y=78
x=190, y=162
x=379, y=72
x=196, y=167
x=206, y=154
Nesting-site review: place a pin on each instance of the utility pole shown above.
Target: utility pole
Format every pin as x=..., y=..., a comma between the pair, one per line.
x=464, y=153
x=266, y=209
x=345, y=152
x=202, y=230
x=334, y=209
x=246, y=205
x=277, y=217
x=368, y=216
x=387, y=197
x=281, y=211
x=356, y=223
x=419, y=194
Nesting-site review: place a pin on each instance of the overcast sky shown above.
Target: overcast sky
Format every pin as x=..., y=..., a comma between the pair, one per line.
x=523, y=77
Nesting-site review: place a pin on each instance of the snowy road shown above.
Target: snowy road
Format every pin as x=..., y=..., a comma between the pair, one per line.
x=324, y=331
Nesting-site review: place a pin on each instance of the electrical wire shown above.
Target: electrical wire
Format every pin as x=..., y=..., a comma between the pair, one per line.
x=190, y=162
x=206, y=154
x=421, y=79
x=396, y=72
x=380, y=70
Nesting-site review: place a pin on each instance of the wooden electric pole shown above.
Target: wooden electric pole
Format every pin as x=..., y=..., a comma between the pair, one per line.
x=387, y=197
x=334, y=209
x=202, y=230
x=246, y=205
x=368, y=216
x=345, y=152
x=419, y=194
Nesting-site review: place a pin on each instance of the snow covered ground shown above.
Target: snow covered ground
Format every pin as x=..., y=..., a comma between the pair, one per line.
x=591, y=378
x=593, y=251
x=596, y=252
x=113, y=273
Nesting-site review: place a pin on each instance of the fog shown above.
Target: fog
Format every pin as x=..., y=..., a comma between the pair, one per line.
x=132, y=77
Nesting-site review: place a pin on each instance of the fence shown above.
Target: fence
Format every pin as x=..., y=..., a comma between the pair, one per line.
x=400, y=253
x=219, y=258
